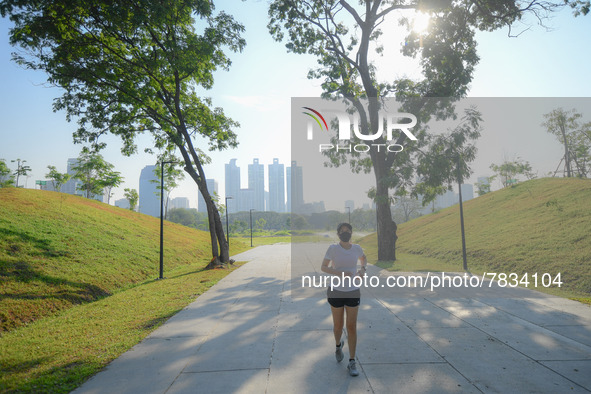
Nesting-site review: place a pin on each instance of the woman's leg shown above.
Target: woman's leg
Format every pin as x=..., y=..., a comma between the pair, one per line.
x=338, y=320
x=352, y=329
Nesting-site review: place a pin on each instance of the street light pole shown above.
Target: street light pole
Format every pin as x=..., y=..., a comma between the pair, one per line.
x=251, y=227
x=349, y=208
x=227, y=228
x=162, y=163
x=465, y=260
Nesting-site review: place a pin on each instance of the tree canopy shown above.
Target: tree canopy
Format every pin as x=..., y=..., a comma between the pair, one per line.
x=347, y=37
x=574, y=137
x=132, y=197
x=95, y=175
x=57, y=178
x=129, y=67
x=6, y=177
x=21, y=169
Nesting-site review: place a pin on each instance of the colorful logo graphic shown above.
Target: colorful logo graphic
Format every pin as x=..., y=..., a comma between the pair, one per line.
x=316, y=117
x=349, y=128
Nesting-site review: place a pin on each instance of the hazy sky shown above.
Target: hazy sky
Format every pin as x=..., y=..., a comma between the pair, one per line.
x=257, y=92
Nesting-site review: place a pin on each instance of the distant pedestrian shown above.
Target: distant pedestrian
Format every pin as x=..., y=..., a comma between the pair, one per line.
x=341, y=260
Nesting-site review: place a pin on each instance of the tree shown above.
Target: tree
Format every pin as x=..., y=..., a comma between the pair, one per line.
x=57, y=178
x=109, y=180
x=238, y=226
x=21, y=169
x=92, y=170
x=260, y=224
x=345, y=55
x=129, y=67
x=299, y=222
x=508, y=171
x=132, y=197
x=575, y=138
x=582, y=152
x=484, y=187
x=6, y=177
x=408, y=207
x=187, y=217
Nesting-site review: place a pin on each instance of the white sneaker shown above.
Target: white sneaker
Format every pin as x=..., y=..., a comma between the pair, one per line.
x=352, y=367
x=339, y=353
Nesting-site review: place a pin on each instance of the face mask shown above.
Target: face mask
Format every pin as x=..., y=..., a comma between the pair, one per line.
x=345, y=237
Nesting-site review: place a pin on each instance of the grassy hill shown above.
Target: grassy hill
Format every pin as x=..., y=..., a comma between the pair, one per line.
x=78, y=285
x=542, y=226
x=59, y=250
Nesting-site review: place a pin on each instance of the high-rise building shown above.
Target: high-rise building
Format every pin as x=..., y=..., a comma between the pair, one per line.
x=149, y=200
x=122, y=203
x=232, y=184
x=349, y=204
x=256, y=183
x=467, y=192
x=295, y=187
x=212, y=187
x=71, y=187
x=276, y=187
x=246, y=200
x=179, y=202
x=446, y=200
x=288, y=186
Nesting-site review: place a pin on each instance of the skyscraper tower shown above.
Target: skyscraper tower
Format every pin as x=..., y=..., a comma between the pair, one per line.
x=149, y=201
x=295, y=187
x=71, y=187
x=232, y=184
x=276, y=187
x=288, y=185
x=256, y=183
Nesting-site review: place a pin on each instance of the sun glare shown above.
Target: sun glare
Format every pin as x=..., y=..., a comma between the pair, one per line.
x=420, y=22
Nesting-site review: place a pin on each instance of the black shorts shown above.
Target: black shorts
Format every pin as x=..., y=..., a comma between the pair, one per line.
x=339, y=299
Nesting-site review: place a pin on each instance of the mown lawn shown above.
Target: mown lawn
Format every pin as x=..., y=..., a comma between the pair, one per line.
x=78, y=285
x=540, y=226
x=58, y=353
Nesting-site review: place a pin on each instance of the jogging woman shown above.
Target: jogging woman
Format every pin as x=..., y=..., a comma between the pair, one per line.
x=341, y=260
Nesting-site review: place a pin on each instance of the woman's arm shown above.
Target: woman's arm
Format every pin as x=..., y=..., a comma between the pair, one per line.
x=363, y=260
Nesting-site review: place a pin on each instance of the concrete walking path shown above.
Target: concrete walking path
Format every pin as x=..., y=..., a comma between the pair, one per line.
x=247, y=334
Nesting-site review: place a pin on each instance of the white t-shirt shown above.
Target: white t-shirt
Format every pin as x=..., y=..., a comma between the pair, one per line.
x=344, y=260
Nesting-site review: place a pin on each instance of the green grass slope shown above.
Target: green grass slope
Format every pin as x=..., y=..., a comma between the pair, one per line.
x=59, y=250
x=542, y=226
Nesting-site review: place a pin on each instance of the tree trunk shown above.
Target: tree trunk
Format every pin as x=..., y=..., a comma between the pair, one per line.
x=566, y=153
x=195, y=169
x=386, y=226
x=219, y=244
x=215, y=222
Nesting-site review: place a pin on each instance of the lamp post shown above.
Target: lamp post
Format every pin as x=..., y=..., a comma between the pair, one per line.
x=465, y=260
x=227, y=228
x=162, y=163
x=251, y=227
x=349, y=208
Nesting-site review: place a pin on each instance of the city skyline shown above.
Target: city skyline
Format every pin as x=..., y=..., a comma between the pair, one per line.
x=149, y=200
x=273, y=197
